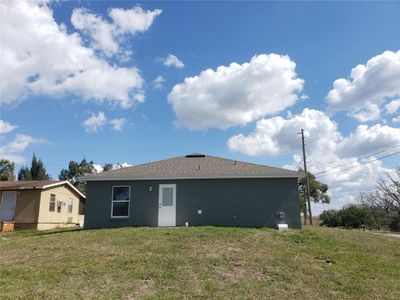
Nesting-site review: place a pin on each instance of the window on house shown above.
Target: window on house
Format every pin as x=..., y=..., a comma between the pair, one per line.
x=120, y=201
x=52, y=205
x=70, y=205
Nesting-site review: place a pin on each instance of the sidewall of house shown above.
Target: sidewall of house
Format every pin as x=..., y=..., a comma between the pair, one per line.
x=222, y=202
x=58, y=218
x=26, y=208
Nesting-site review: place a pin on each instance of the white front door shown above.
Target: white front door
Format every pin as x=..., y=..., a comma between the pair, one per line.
x=7, y=206
x=167, y=205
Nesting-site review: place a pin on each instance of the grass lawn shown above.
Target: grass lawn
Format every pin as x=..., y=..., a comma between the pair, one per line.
x=202, y=262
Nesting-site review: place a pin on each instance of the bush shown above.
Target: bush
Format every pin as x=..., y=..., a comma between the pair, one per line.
x=395, y=223
x=350, y=217
x=330, y=218
x=380, y=218
x=354, y=216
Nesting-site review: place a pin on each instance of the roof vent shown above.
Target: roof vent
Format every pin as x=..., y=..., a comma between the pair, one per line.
x=195, y=155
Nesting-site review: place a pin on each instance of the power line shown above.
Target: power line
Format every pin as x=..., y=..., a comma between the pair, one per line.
x=368, y=162
x=357, y=159
x=375, y=159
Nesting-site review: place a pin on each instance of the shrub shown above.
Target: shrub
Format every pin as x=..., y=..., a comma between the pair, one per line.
x=350, y=217
x=380, y=218
x=330, y=218
x=395, y=223
x=354, y=216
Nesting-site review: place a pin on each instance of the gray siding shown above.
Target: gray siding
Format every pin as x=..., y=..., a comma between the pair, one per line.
x=224, y=202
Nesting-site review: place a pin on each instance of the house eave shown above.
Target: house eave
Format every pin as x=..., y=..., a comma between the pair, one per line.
x=41, y=188
x=66, y=182
x=132, y=178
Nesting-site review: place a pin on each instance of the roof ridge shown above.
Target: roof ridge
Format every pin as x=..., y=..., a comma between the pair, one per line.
x=250, y=163
x=30, y=181
x=141, y=164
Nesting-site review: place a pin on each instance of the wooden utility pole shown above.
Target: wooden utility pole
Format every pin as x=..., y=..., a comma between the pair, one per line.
x=305, y=207
x=307, y=183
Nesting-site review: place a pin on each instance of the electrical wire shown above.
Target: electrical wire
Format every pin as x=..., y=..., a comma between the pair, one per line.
x=357, y=159
x=368, y=162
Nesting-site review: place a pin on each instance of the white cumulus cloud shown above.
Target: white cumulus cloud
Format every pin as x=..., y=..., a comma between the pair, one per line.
x=107, y=36
x=100, y=30
x=278, y=135
x=158, y=82
x=116, y=166
x=370, y=112
x=13, y=149
x=133, y=20
x=374, y=83
x=367, y=140
x=236, y=94
x=172, y=61
x=95, y=122
x=118, y=124
x=393, y=106
x=6, y=127
x=40, y=57
x=98, y=168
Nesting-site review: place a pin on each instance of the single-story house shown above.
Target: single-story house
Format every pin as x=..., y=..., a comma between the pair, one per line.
x=40, y=205
x=193, y=190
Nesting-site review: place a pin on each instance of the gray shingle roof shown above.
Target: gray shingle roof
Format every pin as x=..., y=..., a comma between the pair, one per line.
x=26, y=184
x=36, y=185
x=194, y=166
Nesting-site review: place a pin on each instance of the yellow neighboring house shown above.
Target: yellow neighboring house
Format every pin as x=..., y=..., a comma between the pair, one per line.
x=40, y=204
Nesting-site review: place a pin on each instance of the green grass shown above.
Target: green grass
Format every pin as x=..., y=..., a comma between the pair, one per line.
x=202, y=262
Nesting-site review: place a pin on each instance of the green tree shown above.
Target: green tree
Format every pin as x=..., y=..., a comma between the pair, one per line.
x=6, y=170
x=71, y=174
x=86, y=167
x=24, y=174
x=75, y=170
x=353, y=216
x=384, y=202
x=37, y=171
x=107, y=167
x=318, y=191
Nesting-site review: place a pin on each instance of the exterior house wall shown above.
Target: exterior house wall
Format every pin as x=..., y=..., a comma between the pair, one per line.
x=60, y=217
x=224, y=202
x=26, y=208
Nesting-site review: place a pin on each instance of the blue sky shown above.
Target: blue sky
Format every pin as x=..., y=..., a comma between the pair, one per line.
x=315, y=44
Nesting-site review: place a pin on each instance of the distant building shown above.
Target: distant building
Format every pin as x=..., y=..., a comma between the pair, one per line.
x=40, y=204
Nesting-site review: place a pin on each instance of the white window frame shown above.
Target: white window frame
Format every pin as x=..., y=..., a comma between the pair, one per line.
x=112, y=202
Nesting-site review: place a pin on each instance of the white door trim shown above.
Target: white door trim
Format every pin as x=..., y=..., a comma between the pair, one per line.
x=167, y=214
x=2, y=202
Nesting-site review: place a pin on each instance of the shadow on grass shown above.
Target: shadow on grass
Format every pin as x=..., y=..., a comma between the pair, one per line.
x=32, y=232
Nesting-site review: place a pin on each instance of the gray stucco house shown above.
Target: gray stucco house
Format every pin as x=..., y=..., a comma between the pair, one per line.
x=194, y=190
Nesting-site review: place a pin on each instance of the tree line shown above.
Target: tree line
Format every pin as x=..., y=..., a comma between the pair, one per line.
x=37, y=171
x=376, y=210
